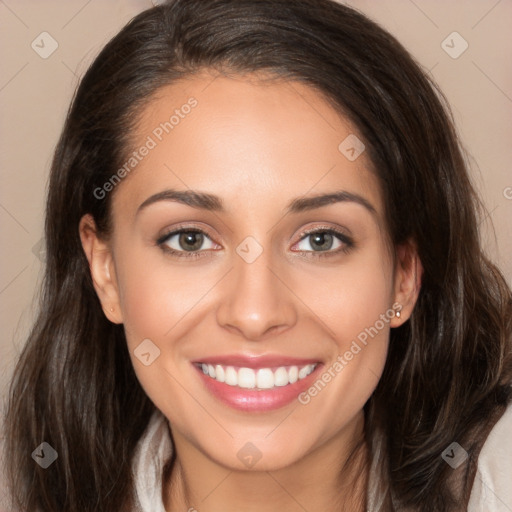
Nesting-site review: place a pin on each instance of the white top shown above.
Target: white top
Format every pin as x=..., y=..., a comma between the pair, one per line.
x=492, y=488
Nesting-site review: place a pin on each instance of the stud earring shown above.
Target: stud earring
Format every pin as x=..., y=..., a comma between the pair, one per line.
x=398, y=314
x=111, y=310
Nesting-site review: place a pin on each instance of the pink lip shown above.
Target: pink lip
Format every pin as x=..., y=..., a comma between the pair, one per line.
x=252, y=400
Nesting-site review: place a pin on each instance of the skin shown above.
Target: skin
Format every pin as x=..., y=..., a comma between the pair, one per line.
x=257, y=146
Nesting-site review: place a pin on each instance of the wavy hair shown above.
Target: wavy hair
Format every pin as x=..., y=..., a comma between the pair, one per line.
x=448, y=372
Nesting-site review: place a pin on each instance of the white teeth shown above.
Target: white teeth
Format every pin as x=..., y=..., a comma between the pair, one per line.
x=281, y=377
x=293, y=374
x=306, y=370
x=231, y=376
x=246, y=378
x=263, y=378
x=219, y=373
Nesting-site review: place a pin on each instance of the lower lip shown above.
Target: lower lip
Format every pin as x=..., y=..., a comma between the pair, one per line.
x=253, y=400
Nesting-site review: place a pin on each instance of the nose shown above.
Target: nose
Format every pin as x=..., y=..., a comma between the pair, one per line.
x=256, y=300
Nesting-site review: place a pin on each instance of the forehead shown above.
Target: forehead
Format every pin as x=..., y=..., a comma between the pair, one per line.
x=252, y=142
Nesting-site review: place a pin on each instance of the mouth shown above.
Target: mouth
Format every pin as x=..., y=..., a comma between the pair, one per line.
x=259, y=379
x=256, y=384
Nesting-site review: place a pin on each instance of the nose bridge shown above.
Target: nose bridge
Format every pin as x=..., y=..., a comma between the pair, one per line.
x=256, y=301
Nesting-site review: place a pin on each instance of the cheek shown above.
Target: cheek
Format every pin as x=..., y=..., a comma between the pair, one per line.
x=163, y=302
x=351, y=296
x=142, y=301
x=354, y=303
x=156, y=300
x=155, y=295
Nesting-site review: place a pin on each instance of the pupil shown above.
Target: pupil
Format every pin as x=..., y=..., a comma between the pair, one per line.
x=319, y=239
x=190, y=239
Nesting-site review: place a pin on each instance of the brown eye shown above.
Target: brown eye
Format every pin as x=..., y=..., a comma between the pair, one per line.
x=321, y=240
x=324, y=240
x=185, y=240
x=190, y=241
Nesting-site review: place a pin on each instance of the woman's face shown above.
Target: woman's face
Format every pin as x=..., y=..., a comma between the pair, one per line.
x=282, y=282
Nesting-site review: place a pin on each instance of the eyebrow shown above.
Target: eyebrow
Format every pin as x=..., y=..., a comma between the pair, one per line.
x=210, y=202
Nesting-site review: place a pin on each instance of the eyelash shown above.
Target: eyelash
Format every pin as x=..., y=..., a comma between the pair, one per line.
x=348, y=243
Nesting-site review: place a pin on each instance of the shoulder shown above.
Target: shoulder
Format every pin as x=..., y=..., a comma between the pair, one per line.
x=492, y=486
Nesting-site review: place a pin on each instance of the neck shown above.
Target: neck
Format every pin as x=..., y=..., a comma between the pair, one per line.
x=331, y=478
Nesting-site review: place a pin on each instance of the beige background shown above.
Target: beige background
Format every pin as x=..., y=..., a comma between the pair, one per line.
x=35, y=93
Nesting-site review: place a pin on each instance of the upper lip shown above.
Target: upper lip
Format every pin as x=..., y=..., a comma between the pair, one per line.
x=256, y=361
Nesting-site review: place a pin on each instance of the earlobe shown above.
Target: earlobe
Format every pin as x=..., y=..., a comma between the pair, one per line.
x=408, y=273
x=101, y=266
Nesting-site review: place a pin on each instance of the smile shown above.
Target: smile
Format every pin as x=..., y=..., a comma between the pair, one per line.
x=262, y=378
x=256, y=384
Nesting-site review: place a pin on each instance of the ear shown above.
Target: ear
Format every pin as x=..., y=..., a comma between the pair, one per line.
x=407, y=285
x=101, y=266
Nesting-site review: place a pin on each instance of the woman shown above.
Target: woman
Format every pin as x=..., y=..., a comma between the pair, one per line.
x=264, y=286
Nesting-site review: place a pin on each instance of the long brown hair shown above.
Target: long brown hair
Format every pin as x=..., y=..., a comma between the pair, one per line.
x=449, y=368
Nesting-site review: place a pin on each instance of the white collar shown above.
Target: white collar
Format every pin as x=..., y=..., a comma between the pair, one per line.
x=491, y=487
x=151, y=454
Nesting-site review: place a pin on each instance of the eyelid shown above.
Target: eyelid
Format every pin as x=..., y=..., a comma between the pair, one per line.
x=322, y=229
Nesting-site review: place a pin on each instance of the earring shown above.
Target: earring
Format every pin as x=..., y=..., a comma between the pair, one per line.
x=111, y=310
x=398, y=314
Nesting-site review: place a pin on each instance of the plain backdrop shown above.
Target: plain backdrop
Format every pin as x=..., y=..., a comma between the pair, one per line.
x=36, y=86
